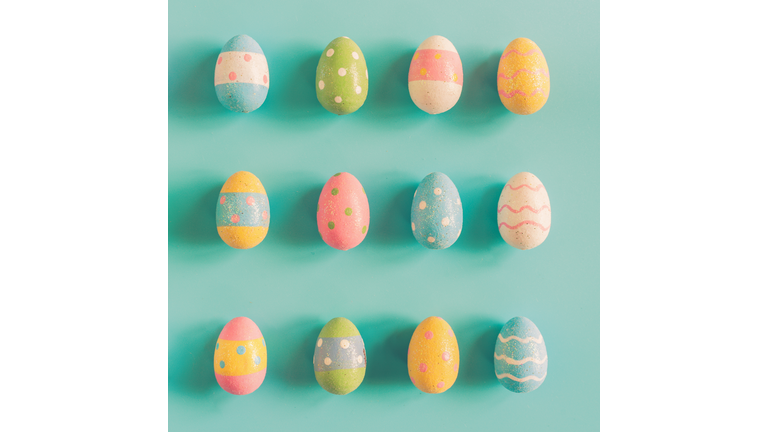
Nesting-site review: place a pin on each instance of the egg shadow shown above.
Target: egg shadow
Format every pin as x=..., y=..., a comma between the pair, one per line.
x=480, y=104
x=483, y=231
x=390, y=98
x=190, y=359
x=191, y=91
x=477, y=368
x=300, y=223
x=194, y=224
x=386, y=344
x=294, y=97
x=299, y=371
x=394, y=220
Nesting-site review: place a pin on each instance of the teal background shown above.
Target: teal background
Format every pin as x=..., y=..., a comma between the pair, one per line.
x=293, y=283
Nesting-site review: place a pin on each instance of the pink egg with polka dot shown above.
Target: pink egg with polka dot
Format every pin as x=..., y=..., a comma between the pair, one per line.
x=343, y=215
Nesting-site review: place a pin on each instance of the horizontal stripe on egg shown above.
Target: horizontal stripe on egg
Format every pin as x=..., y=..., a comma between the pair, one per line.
x=242, y=209
x=241, y=67
x=436, y=65
x=339, y=353
x=235, y=358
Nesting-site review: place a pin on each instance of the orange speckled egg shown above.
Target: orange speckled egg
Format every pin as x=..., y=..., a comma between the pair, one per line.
x=523, y=79
x=433, y=356
x=242, y=211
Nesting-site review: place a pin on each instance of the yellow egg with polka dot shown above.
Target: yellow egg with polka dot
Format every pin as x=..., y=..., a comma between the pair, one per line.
x=433, y=356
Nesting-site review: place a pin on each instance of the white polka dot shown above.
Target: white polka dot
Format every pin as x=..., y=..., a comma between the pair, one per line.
x=359, y=359
x=321, y=84
x=431, y=239
x=366, y=74
x=458, y=201
x=327, y=361
x=329, y=53
x=438, y=191
x=445, y=221
x=319, y=342
x=355, y=56
x=413, y=226
x=344, y=344
x=337, y=99
x=358, y=89
x=342, y=71
x=423, y=205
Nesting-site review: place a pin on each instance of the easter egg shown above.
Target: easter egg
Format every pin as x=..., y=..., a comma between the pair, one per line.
x=520, y=357
x=523, y=79
x=435, y=78
x=339, y=357
x=342, y=212
x=523, y=214
x=240, y=357
x=342, y=77
x=436, y=212
x=242, y=211
x=433, y=356
x=241, y=77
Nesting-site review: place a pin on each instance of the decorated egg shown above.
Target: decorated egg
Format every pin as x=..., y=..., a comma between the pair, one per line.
x=241, y=78
x=339, y=357
x=436, y=212
x=524, y=215
x=342, y=77
x=242, y=211
x=523, y=79
x=433, y=356
x=436, y=77
x=520, y=357
x=240, y=357
x=342, y=212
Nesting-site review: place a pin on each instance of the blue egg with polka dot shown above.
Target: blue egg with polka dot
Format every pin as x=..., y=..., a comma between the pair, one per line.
x=436, y=212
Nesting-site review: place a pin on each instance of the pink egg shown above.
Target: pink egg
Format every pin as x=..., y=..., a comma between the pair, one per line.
x=342, y=212
x=240, y=357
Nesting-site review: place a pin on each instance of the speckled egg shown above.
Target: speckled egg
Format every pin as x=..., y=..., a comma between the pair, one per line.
x=523, y=79
x=342, y=212
x=436, y=212
x=433, y=356
x=339, y=357
x=240, y=357
x=342, y=77
x=435, y=78
x=241, y=77
x=524, y=215
x=242, y=211
x=520, y=357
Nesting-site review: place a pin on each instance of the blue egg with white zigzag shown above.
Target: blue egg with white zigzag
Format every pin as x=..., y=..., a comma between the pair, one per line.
x=520, y=357
x=241, y=78
x=436, y=212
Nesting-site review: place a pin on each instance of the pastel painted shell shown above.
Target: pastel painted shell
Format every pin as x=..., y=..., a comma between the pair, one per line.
x=343, y=215
x=436, y=213
x=520, y=357
x=240, y=357
x=433, y=356
x=242, y=211
x=524, y=214
x=339, y=358
x=241, y=78
x=523, y=79
x=435, y=78
x=341, y=81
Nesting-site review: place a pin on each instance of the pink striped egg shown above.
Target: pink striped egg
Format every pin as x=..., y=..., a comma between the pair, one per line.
x=524, y=214
x=342, y=212
x=436, y=78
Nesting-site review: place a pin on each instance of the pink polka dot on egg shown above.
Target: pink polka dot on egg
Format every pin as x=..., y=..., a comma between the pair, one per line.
x=223, y=199
x=250, y=200
x=247, y=57
x=429, y=334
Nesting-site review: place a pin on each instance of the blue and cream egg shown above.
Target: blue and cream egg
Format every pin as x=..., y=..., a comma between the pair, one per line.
x=436, y=213
x=520, y=357
x=241, y=78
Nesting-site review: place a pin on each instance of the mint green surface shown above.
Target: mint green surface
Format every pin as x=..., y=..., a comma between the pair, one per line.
x=293, y=283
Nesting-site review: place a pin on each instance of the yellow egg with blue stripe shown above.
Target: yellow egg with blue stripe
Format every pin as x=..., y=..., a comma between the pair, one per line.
x=240, y=357
x=242, y=211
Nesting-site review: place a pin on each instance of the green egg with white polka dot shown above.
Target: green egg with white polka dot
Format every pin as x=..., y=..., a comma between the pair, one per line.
x=339, y=357
x=342, y=77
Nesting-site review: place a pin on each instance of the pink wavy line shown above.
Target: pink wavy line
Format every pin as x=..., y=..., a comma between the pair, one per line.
x=532, y=51
x=536, y=72
x=516, y=91
x=543, y=228
x=528, y=186
x=523, y=208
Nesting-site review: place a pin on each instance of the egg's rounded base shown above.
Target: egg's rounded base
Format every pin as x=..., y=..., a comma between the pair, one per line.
x=340, y=381
x=434, y=97
x=240, y=237
x=241, y=384
x=241, y=97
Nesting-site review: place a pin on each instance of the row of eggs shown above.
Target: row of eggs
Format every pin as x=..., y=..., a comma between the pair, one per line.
x=343, y=217
x=520, y=356
x=435, y=78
